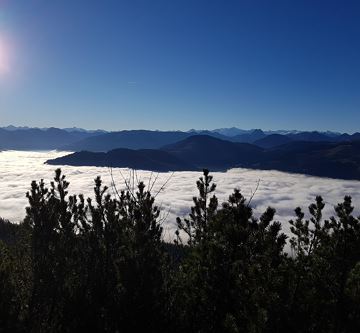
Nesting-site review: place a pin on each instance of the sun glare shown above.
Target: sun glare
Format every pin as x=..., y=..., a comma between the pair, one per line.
x=4, y=61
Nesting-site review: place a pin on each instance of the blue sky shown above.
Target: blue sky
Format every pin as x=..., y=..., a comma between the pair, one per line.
x=185, y=64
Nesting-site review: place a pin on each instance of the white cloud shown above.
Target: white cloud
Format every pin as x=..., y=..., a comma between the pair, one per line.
x=280, y=190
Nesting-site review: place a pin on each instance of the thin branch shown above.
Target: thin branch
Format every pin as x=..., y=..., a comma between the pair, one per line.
x=154, y=182
x=164, y=218
x=149, y=180
x=136, y=175
x=163, y=186
x=128, y=186
x=113, y=185
x=253, y=194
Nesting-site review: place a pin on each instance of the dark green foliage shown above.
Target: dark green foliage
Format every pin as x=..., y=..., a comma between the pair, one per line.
x=102, y=260
x=322, y=271
x=230, y=273
x=15, y=276
x=102, y=265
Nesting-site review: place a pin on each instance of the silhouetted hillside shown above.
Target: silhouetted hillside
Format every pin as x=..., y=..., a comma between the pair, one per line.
x=207, y=152
x=335, y=160
x=324, y=159
x=136, y=139
x=144, y=159
x=273, y=140
x=214, y=134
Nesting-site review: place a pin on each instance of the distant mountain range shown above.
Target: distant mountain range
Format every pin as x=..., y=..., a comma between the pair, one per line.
x=77, y=139
x=70, y=129
x=38, y=139
x=143, y=139
x=327, y=154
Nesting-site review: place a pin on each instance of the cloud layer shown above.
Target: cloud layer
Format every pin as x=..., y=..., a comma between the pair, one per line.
x=283, y=191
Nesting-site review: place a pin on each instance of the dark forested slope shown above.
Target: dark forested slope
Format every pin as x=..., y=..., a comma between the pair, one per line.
x=324, y=159
x=143, y=159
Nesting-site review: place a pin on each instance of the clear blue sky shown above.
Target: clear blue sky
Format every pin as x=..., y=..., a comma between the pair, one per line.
x=183, y=64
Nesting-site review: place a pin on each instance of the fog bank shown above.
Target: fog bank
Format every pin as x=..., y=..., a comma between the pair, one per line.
x=283, y=191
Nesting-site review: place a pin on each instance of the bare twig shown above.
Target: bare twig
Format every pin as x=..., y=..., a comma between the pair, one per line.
x=128, y=186
x=149, y=180
x=253, y=194
x=163, y=186
x=113, y=185
x=154, y=182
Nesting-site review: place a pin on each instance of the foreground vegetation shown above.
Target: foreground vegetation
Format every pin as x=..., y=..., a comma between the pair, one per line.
x=102, y=265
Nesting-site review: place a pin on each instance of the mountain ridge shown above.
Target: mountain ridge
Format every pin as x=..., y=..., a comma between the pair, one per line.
x=77, y=139
x=142, y=159
x=323, y=159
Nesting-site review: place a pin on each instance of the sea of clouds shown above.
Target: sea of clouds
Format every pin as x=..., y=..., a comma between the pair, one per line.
x=283, y=191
